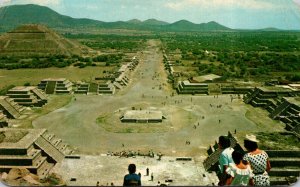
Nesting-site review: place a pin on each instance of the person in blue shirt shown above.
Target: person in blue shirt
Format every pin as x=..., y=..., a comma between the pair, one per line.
x=132, y=179
x=225, y=159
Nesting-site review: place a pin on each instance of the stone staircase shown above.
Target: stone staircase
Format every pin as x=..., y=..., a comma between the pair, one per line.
x=50, y=87
x=249, y=97
x=285, y=164
x=10, y=108
x=82, y=88
x=49, y=149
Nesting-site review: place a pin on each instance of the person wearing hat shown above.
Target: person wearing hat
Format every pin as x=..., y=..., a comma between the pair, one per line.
x=259, y=161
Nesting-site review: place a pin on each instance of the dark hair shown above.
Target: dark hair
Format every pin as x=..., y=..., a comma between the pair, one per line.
x=237, y=156
x=224, y=142
x=250, y=146
x=131, y=168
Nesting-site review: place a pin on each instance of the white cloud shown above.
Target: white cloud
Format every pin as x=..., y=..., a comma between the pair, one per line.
x=297, y=1
x=4, y=2
x=244, y=4
x=38, y=2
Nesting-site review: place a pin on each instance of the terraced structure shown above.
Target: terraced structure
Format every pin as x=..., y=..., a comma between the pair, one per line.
x=32, y=39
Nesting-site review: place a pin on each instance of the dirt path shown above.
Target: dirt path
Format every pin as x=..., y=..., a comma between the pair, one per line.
x=76, y=122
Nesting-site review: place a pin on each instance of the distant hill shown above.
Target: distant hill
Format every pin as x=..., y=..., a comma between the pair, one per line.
x=184, y=25
x=155, y=22
x=16, y=15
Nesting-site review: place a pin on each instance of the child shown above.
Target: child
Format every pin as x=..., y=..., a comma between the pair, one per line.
x=241, y=174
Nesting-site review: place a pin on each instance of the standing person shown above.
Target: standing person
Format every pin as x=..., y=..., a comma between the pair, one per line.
x=132, y=179
x=259, y=161
x=225, y=159
x=147, y=172
x=240, y=172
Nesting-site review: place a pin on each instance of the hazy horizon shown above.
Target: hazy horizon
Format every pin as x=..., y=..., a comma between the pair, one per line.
x=236, y=14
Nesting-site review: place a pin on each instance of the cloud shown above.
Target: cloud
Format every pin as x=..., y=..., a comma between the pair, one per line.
x=297, y=1
x=38, y=2
x=242, y=4
x=4, y=2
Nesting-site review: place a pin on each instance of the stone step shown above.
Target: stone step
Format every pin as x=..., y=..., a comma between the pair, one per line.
x=285, y=162
x=283, y=153
x=284, y=172
x=50, y=149
x=44, y=169
x=274, y=181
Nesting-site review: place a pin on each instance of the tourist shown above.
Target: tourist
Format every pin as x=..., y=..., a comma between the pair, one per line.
x=132, y=179
x=225, y=159
x=240, y=172
x=259, y=161
x=147, y=172
x=152, y=177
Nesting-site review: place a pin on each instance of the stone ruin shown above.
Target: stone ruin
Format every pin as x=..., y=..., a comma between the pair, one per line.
x=56, y=86
x=27, y=96
x=10, y=108
x=32, y=149
x=186, y=87
x=142, y=116
x=282, y=104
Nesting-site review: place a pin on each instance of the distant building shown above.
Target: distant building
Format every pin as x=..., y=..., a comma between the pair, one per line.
x=27, y=96
x=142, y=116
x=56, y=86
x=186, y=87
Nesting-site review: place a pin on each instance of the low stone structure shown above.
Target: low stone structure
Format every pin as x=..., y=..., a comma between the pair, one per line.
x=3, y=120
x=186, y=87
x=30, y=149
x=106, y=88
x=205, y=78
x=282, y=104
x=56, y=86
x=288, y=111
x=262, y=96
x=10, y=108
x=142, y=116
x=27, y=96
x=82, y=88
x=122, y=78
x=236, y=89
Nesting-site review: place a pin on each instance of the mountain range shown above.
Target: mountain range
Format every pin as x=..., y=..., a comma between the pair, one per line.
x=15, y=15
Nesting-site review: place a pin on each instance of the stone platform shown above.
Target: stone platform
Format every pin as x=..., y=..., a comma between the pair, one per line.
x=142, y=116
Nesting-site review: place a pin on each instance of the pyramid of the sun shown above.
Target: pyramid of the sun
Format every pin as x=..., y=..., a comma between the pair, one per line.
x=28, y=40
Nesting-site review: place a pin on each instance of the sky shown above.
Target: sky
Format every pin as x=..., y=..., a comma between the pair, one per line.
x=242, y=14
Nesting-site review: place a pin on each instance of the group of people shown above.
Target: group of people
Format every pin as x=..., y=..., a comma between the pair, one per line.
x=235, y=167
x=239, y=169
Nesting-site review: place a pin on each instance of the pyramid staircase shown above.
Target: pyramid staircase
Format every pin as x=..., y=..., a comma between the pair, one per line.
x=285, y=164
x=10, y=108
x=27, y=96
x=82, y=88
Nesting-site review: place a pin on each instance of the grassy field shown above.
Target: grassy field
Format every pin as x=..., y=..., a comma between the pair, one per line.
x=54, y=102
x=34, y=76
